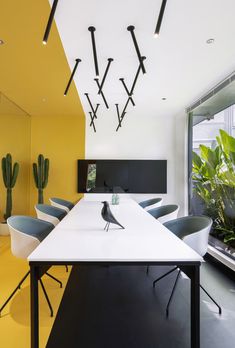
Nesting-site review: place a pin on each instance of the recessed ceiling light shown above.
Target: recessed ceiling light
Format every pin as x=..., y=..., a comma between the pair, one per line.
x=1, y=42
x=210, y=41
x=163, y=98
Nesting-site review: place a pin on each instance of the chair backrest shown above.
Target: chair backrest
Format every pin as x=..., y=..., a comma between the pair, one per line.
x=165, y=213
x=193, y=230
x=151, y=203
x=26, y=234
x=50, y=213
x=61, y=203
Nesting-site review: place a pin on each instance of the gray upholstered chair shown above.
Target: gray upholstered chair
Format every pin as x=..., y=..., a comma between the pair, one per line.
x=194, y=231
x=26, y=234
x=61, y=203
x=49, y=213
x=151, y=203
x=165, y=213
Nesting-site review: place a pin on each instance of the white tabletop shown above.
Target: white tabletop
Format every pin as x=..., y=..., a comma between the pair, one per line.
x=80, y=236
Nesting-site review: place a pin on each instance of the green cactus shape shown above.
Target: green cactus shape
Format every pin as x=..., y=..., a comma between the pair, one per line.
x=40, y=174
x=9, y=175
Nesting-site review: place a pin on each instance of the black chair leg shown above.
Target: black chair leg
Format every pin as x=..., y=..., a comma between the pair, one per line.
x=172, y=293
x=57, y=280
x=46, y=296
x=164, y=275
x=13, y=293
x=220, y=310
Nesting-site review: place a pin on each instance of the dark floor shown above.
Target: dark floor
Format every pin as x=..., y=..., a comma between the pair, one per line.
x=117, y=307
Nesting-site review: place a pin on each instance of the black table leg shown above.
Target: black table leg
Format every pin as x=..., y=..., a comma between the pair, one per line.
x=195, y=307
x=193, y=272
x=34, y=276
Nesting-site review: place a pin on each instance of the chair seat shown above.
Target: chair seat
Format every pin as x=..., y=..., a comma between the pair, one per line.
x=51, y=210
x=151, y=202
x=36, y=228
x=62, y=202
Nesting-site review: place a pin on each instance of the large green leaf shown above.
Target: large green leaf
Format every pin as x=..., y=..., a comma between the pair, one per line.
x=197, y=162
x=228, y=142
x=210, y=156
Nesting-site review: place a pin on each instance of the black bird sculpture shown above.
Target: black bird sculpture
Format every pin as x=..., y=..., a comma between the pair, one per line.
x=107, y=215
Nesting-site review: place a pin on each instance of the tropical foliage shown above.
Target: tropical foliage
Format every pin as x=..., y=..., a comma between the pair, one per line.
x=214, y=181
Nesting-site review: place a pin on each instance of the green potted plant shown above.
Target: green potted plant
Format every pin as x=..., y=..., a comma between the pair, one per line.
x=9, y=175
x=40, y=174
x=214, y=181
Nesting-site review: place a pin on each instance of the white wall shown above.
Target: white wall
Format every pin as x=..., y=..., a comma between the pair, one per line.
x=143, y=137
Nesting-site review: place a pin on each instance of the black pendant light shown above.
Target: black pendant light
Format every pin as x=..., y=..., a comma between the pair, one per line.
x=127, y=91
x=131, y=29
x=110, y=60
x=159, y=21
x=49, y=23
x=72, y=75
x=102, y=94
x=92, y=31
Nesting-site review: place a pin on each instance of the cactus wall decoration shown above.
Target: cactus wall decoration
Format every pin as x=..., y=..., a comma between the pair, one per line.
x=9, y=175
x=40, y=174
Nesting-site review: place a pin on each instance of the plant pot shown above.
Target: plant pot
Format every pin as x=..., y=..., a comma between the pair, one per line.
x=4, y=230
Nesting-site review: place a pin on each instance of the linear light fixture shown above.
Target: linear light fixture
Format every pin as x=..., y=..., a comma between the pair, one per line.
x=127, y=91
x=110, y=60
x=92, y=31
x=96, y=109
x=131, y=93
x=160, y=16
x=119, y=118
x=49, y=23
x=77, y=60
x=102, y=94
x=92, y=108
x=131, y=29
x=123, y=114
x=136, y=76
x=92, y=121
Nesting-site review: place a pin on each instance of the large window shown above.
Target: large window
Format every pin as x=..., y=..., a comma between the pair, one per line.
x=211, y=156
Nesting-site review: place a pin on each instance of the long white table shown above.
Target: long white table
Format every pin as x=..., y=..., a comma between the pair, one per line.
x=80, y=239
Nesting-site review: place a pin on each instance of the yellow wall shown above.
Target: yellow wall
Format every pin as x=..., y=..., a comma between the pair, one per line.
x=62, y=140
x=34, y=77
x=15, y=139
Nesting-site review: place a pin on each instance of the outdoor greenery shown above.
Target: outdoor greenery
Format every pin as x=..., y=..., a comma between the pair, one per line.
x=214, y=181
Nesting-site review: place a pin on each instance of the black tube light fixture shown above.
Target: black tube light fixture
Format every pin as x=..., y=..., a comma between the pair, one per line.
x=92, y=108
x=110, y=60
x=102, y=94
x=160, y=16
x=118, y=114
x=136, y=76
x=92, y=31
x=92, y=121
x=123, y=114
x=72, y=75
x=127, y=91
x=49, y=23
x=131, y=29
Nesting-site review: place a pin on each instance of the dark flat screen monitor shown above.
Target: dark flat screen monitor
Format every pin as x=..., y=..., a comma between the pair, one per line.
x=122, y=176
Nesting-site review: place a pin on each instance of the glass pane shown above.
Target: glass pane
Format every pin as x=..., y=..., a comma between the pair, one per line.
x=206, y=131
x=213, y=174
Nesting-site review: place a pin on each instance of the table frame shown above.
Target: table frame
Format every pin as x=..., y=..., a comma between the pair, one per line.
x=190, y=268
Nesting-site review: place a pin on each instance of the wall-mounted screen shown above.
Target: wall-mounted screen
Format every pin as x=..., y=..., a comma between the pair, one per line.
x=122, y=176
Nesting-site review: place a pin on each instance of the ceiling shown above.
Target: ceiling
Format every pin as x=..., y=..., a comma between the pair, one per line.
x=180, y=65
